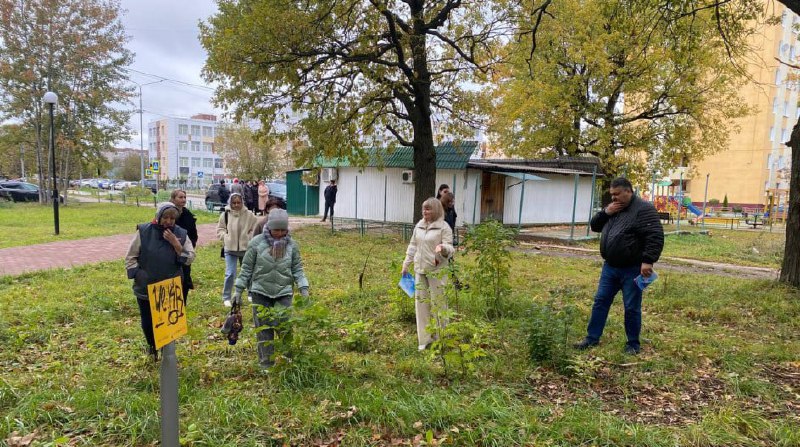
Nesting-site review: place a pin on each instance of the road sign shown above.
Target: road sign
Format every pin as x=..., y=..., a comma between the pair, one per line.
x=156, y=166
x=148, y=172
x=167, y=310
x=199, y=174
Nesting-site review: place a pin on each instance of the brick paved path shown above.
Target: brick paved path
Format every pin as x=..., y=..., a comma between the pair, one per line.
x=66, y=254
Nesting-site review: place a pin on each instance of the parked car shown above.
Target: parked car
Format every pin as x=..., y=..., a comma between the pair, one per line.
x=124, y=185
x=278, y=191
x=212, y=197
x=152, y=184
x=14, y=191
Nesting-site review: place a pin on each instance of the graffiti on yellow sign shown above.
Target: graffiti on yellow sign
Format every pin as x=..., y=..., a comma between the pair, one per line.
x=168, y=310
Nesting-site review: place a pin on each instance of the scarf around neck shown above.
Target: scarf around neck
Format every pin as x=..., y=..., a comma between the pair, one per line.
x=277, y=246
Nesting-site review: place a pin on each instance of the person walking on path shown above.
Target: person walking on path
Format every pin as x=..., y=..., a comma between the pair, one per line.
x=224, y=193
x=430, y=248
x=158, y=251
x=631, y=242
x=263, y=196
x=236, y=187
x=250, y=194
x=234, y=229
x=188, y=222
x=271, y=267
x=330, y=199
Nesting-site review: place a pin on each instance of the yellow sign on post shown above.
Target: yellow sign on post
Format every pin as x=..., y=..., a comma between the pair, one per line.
x=168, y=310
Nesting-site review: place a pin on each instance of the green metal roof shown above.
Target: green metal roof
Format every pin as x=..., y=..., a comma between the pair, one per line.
x=450, y=155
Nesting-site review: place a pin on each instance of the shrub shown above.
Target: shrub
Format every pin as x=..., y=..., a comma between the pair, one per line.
x=548, y=335
x=488, y=278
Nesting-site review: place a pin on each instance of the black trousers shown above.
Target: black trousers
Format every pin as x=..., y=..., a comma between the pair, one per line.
x=328, y=206
x=147, y=322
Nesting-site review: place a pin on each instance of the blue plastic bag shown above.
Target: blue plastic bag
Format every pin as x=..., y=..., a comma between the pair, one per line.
x=643, y=282
x=407, y=284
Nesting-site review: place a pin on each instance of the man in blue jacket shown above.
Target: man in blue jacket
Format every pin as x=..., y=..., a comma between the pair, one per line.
x=631, y=242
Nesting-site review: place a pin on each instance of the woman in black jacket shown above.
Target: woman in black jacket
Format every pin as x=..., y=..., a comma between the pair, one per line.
x=188, y=222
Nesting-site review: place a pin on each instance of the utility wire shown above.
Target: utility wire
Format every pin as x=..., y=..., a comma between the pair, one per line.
x=163, y=78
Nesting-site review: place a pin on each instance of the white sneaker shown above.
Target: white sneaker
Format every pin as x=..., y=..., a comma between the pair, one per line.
x=227, y=303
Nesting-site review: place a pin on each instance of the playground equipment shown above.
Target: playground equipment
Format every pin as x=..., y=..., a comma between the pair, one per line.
x=777, y=204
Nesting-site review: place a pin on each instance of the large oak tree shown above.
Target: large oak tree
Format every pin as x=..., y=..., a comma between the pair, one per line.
x=342, y=75
x=640, y=84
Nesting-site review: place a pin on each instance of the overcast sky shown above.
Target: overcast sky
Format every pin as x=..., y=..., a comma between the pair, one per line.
x=163, y=34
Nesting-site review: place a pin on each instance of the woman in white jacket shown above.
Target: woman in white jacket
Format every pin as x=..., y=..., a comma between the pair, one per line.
x=430, y=247
x=234, y=229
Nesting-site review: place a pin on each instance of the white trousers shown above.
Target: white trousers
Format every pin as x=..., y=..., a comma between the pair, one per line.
x=430, y=299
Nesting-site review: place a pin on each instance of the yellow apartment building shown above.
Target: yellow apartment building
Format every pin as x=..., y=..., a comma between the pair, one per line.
x=756, y=160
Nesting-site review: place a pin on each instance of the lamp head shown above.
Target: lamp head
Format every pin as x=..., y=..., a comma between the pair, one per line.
x=50, y=98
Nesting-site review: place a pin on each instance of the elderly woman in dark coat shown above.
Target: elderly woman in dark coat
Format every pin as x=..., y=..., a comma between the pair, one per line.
x=158, y=251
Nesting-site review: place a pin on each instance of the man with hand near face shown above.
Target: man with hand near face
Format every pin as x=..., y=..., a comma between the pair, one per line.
x=631, y=242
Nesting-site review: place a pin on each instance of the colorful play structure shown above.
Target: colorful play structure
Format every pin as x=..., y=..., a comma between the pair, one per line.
x=669, y=204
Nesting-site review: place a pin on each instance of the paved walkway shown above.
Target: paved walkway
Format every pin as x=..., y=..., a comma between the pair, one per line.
x=67, y=254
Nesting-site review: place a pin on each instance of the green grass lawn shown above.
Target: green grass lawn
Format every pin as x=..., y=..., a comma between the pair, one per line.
x=28, y=223
x=755, y=248
x=720, y=364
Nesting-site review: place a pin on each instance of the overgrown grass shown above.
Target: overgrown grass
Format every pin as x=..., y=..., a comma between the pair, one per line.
x=29, y=223
x=719, y=363
x=755, y=248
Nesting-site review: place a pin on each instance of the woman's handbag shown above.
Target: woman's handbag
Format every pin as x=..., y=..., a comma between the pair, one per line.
x=233, y=325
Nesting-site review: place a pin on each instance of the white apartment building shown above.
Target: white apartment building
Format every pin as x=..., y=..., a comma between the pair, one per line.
x=184, y=148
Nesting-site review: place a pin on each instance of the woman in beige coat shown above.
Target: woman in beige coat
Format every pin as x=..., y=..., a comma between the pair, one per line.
x=234, y=229
x=430, y=247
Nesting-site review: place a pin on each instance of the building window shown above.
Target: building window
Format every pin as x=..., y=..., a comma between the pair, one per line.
x=785, y=108
x=206, y=147
x=769, y=161
x=183, y=146
x=784, y=135
x=195, y=162
x=207, y=131
x=195, y=130
x=195, y=146
x=184, y=162
x=208, y=162
x=775, y=105
x=778, y=76
x=218, y=163
x=781, y=162
x=183, y=129
x=772, y=133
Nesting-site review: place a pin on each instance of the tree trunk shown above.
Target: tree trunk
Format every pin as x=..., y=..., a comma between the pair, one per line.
x=424, y=168
x=424, y=149
x=790, y=270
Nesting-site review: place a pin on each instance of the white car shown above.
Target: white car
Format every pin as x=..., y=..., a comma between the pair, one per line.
x=124, y=185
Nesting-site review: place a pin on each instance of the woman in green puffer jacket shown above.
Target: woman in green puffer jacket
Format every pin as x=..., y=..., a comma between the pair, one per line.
x=271, y=267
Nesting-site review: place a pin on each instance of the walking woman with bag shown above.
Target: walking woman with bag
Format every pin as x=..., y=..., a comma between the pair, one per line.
x=234, y=229
x=429, y=249
x=271, y=267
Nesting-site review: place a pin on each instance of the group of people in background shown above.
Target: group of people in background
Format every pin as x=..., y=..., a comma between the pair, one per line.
x=631, y=242
x=271, y=265
x=255, y=194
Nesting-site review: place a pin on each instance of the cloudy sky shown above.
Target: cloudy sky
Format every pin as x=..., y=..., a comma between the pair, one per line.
x=163, y=34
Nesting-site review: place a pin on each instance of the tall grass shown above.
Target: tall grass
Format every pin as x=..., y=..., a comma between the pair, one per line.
x=715, y=366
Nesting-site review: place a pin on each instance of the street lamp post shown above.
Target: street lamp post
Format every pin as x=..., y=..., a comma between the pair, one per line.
x=141, y=130
x=51, y=99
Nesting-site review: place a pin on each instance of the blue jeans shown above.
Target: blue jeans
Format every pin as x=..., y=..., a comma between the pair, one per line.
x=612, y=279
x=231, y=259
